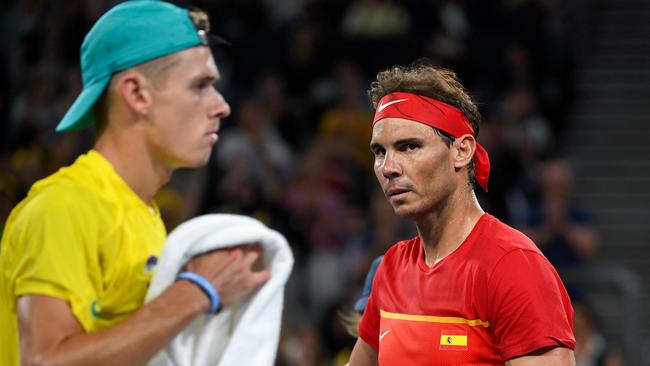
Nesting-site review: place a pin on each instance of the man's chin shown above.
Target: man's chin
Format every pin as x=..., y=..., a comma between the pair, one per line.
x=203, y=159
x=401, y=211
x=404, y=212
x=195, y=163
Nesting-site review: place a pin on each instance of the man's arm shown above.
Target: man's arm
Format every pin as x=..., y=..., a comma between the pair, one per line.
x=363, y=354
x=51, y=335
x=557, y=356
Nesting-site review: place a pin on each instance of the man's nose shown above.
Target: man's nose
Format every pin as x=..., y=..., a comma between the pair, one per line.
x=391, y=167
x=220, y=108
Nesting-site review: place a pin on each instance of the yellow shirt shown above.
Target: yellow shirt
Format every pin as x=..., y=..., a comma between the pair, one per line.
x=81, y=235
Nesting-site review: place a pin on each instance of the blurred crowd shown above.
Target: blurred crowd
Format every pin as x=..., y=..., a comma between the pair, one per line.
x=295, y=154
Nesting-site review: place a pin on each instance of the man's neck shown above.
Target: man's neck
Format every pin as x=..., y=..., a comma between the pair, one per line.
x=445, y=229
x=134, y=163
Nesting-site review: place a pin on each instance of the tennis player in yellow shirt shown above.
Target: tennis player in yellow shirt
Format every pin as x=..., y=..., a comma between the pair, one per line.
x=77, y=254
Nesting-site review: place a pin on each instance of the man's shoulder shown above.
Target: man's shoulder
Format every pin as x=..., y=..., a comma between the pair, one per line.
x=61, y=191
x=53, y=206
x=72, y=189
x=401, y=251
x=402, y=246
x=502, y=238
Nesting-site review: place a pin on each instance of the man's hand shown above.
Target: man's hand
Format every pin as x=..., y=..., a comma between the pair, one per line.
x=234, y=272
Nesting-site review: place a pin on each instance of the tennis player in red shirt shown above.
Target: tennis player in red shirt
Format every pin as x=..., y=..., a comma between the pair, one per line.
x=468, y=289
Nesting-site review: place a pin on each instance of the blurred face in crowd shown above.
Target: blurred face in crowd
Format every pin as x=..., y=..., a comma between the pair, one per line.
x=556, y=180
x=413, y=165
x=187, y=110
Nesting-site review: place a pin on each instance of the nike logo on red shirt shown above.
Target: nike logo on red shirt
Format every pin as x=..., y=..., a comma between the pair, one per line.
x=381, y=336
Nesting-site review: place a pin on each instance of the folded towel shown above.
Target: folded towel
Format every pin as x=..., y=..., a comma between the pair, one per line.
x=246, y=333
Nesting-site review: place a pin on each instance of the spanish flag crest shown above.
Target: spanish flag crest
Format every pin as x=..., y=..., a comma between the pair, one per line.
x=453, y=340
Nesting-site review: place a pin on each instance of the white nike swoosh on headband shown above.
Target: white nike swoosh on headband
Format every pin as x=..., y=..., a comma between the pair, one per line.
x=382, y=106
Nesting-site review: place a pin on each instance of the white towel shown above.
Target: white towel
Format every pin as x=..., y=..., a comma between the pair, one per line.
x=241, y=334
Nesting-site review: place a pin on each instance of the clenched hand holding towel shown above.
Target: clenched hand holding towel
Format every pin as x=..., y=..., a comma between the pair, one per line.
x=241, y=334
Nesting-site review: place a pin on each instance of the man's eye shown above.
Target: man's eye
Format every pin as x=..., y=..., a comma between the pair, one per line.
x=409, y=147
x=202, y=85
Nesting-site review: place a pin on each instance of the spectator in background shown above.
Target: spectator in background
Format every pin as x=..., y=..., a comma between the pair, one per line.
x=316, y=200
x=288, y=116
x=303, y=61
x=592, y=348
x=346, y=119
x=528, y=132
x=266, y=157
x=563, y=230
x=527, y=140
x=40, y=105
x=254, y=165
x=375, y=18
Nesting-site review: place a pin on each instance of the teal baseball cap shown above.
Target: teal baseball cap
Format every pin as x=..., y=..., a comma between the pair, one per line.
x=129, y=34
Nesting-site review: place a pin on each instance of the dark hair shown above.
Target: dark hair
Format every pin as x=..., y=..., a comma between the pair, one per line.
x=441, y=84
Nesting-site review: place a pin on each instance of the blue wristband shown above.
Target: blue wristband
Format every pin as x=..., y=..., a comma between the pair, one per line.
x=205, y=286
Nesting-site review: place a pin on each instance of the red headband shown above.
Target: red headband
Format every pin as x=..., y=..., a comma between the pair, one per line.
x=436, y=114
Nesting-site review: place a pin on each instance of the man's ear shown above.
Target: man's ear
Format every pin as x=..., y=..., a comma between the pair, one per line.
x=464, y=148
x=135, y=91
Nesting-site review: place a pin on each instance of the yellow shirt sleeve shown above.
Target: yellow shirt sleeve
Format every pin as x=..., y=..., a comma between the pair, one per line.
x=56, y=252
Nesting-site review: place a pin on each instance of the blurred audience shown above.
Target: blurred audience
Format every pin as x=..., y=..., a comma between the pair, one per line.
x=592, y=348
x=375, y=18
x=562, y=229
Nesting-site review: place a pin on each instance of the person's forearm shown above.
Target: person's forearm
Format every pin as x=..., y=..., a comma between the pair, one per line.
x=556, y=356
x=135, y=340
x=363, y=354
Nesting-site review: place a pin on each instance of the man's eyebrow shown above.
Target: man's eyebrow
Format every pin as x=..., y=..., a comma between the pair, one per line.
x=405, y=141
x=410, y=140
x=207, y=78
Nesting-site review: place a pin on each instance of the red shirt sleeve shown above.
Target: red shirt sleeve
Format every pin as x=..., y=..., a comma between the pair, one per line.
x=369, y=325
x=528, y=305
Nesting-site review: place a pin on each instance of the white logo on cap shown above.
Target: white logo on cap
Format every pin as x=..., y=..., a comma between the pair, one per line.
x=203, y=36
x=382, y=106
